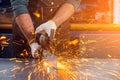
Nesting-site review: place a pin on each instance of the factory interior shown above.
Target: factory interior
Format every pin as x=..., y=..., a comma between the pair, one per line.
x=88, y=49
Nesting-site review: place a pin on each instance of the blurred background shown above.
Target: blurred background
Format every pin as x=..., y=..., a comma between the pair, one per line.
x=90, y=12
x=93, y=17
x=94, y=32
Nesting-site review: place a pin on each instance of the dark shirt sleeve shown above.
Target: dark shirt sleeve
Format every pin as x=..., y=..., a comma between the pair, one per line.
x=75, y=3
x=19, y=7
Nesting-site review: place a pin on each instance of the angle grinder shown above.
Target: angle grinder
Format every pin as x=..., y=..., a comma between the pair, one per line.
x=45, y=42
x=43, y=39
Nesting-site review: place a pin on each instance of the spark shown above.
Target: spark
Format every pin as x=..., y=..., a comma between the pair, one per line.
x=109, y=56
x=11, y=59
x=2, y=37
x=3, y=71
x=19, y=61
x=2, y=48
x=82, y=42
x=13, y=76
x=45, y=64
x=29, y=76
x=114, y=73
x=51, y=10
x=14, y=68
x=22, y=69
x=48, y=70
x=74, y=42
x=84, y=60
x=37, y=14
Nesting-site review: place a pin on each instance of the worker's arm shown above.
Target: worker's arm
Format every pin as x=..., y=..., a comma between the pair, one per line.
x=23, y=18
x=24, y=22
x=64, y=12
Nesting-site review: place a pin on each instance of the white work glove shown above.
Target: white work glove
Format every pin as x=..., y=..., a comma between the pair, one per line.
x=48, y=27
x=35, y=49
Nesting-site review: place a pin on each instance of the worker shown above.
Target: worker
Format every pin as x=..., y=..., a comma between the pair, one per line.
x=53, y=14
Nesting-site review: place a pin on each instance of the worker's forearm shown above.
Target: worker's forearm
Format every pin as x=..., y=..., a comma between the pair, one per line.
x=65, y=11
x=25, y=23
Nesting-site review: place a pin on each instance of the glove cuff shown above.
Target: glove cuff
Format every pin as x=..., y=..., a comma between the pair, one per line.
x=53, y=22
x=34, y=49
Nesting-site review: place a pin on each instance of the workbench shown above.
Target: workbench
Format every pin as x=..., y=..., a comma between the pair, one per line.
x=66, y=69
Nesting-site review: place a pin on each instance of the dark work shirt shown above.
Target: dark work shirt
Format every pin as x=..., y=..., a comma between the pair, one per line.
x=20, y=6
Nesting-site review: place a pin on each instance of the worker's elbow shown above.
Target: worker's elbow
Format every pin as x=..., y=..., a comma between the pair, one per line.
x=75, y=3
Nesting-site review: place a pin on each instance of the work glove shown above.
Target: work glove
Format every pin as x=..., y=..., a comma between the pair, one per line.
x=35, y=50
x=49, y=27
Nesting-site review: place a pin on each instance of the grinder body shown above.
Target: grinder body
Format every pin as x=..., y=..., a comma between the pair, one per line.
x=43, y=40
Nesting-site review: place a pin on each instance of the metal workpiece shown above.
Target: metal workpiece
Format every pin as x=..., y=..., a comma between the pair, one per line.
x=59, y=69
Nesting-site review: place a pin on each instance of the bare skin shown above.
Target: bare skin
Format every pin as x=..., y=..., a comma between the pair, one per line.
x=64, y=12
x=25, y=22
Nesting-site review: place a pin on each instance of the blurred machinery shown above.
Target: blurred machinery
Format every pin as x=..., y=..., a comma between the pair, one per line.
x=6, y=16
x=6, y=49
x=6, y=19
x=94, y=12
x=5, y=6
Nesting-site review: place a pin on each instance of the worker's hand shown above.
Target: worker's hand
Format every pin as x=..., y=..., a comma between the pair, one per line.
x=35, y=50
x=49, y=27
